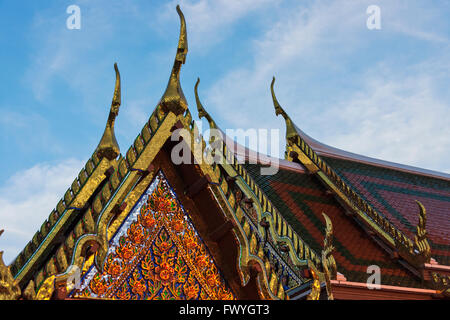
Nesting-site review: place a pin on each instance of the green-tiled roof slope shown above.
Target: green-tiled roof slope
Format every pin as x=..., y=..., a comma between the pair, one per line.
x=301, y=199
x=392, y=193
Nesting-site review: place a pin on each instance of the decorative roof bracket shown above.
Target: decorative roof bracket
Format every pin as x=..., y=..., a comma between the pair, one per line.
x=328, y=262
x=418, y=253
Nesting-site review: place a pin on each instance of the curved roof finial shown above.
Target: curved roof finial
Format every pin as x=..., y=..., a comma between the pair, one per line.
x=201, y=111
x=108, y=146
x=173, y=98
x=117, y=92
x=290, y=127
x=182, y=49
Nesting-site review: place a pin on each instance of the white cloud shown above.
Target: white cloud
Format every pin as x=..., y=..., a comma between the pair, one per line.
x=418, y=20
x=73, y=57
x=393, y=119
x=28, y=197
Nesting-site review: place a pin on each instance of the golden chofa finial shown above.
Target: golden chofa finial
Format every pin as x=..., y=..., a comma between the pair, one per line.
x=201, y=111
x=173, y=99
x=108, y=146
x=290, y=127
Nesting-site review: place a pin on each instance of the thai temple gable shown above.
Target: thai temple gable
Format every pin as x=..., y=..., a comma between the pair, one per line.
x=140, y=226
x=156, y=253
x=87, y=243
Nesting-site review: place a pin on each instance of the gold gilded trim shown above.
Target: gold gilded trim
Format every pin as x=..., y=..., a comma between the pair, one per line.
x=9, y=288
x=86, y=191
x=421, y=244
x=315, y=286
x=47, y=288
x=328, y=262
x=420, y=252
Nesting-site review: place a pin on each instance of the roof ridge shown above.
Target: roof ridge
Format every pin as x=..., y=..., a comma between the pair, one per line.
x=108, y=149
x=327, y=150
x=64, y=205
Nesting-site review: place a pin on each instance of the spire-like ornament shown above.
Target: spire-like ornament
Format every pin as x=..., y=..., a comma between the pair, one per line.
x=173, y=98
x=108, y=146
x=202, y=113
x=291, y=132
x=215, y=135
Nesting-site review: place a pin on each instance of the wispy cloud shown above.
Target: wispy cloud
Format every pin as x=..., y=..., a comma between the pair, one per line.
x=27, y=198
x=20, y=129
x=418, y=20
x=58, y=51
x=284, y=49
x=401, y=120
x=414, y=32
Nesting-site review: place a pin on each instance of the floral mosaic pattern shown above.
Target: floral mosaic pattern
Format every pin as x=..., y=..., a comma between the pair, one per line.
x=156, y=254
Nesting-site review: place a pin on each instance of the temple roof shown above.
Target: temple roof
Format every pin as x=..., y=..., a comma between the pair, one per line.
x=391, y=189
x=393, y=193
x=332, y=152
x=301, y=199
x=314, y=179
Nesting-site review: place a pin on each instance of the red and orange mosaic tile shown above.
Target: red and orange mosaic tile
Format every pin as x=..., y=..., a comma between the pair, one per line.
x=156, y=254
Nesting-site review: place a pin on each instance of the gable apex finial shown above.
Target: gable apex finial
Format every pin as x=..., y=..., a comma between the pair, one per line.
x=173, y=98
x=108, y=146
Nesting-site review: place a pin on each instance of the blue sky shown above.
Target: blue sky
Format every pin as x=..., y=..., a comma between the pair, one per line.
x=381, y=93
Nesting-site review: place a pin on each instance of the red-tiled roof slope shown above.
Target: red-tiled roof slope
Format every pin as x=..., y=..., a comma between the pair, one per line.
x=393, y=193
x=301, y=199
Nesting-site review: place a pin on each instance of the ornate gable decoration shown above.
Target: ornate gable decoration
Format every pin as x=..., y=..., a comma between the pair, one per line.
x=156, y=254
